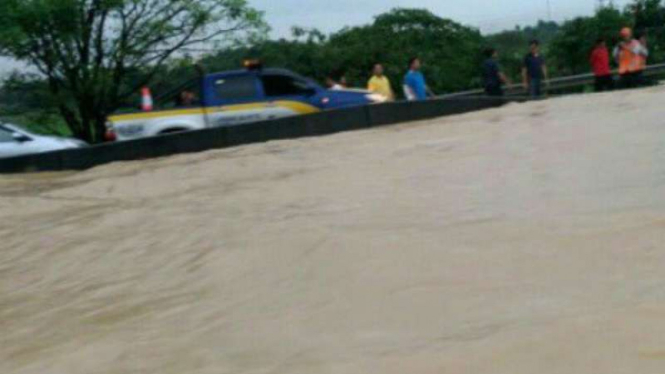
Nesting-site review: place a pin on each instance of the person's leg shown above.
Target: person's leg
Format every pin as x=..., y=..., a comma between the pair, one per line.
x=611, y=84
x=639, y=79
x=495, y=91
x=606, y=83
x=535, y=87
x=624, y=81
x=599, y=85
x=532, y=87
x=634, y=80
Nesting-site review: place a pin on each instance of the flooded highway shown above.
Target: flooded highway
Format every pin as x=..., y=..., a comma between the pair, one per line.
x=524, y=239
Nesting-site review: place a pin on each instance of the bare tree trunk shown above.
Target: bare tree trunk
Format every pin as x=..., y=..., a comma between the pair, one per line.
x=72, y=121
x=87, y=115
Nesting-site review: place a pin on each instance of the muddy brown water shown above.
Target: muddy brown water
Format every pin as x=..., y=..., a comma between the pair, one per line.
x=525, y=239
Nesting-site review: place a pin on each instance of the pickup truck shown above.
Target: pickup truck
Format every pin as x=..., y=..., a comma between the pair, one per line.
x=236, y=98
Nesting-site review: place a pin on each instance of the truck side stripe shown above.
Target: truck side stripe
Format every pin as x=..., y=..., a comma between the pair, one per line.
x=296, y=106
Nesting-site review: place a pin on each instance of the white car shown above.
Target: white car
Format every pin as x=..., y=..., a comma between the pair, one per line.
x=15, y=141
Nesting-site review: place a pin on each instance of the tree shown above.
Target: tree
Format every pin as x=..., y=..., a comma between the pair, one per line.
x=90, y=50
x=571, y=48
x=649, y=16
x=306, y=53
x=513, y=45
x=25, y=100
x=450, y=52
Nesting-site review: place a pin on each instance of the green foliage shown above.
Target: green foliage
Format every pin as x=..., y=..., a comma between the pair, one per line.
x=39, y=122
x=97, y=53
x=25, y=100
x=513, y=45
x=571, y=48
x=450, y=51
x=649, y=19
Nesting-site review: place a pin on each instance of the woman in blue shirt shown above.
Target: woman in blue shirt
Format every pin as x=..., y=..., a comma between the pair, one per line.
x=415, y=87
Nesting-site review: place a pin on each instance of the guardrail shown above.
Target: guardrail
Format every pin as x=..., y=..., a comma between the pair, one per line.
x=555, y=84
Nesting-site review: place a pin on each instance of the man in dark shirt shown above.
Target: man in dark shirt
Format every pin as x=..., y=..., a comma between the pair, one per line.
x=493, y=78
x=534, y=72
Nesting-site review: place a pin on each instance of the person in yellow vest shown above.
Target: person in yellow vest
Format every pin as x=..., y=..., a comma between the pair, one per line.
x=380, y=84
x=631, y=56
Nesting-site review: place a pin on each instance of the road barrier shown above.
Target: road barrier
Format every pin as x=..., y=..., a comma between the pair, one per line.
x=556, y=84
x=324, y=123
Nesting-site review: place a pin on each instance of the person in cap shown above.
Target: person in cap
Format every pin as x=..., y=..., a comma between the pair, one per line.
x=334, y=83
x=629, y=55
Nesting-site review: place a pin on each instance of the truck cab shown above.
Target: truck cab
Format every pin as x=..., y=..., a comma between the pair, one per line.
x=239, y=97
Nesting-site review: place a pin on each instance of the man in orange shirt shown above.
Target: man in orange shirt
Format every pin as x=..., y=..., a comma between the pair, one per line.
x=630, y=55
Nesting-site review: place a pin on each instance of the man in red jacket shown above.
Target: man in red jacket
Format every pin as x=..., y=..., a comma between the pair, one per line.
x=600, y=63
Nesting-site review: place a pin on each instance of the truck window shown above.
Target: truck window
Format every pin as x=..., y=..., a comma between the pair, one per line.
x=236, y=88
x=275, y=85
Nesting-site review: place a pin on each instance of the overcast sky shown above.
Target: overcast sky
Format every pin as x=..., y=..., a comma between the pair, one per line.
x=487, y=15
x=329, y=16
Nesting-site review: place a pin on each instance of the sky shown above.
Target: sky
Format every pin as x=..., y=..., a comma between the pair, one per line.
x=329, y=16
x=487, y=15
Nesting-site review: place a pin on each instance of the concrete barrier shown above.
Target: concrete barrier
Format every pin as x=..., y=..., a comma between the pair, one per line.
x=318, y=124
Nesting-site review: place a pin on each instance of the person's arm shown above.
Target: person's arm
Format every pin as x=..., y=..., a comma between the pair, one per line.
x=504, y=78
x=371, y=86
x=408, y=92
x=525, y=78
x=407, y=86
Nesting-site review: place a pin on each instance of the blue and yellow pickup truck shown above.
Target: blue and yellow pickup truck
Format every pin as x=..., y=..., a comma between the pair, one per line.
x=235, y=98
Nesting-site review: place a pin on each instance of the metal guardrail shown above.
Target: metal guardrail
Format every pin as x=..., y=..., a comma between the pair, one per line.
x=555, y=84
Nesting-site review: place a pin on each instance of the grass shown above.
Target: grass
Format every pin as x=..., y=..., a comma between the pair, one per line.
x=38, y=123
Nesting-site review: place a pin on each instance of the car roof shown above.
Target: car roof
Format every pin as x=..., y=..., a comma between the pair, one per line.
x=12, y=127
x=259, y=71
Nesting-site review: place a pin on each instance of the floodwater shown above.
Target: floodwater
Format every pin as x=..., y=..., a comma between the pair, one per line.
x=525, y=239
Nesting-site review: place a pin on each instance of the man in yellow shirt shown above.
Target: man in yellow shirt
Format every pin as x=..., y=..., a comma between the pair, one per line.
x=380, y=84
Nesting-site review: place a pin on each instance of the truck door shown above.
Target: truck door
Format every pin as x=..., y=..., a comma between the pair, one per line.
x=233, y=99
x=289, y=95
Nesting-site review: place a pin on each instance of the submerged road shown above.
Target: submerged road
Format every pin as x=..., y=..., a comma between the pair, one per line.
x=525, y=239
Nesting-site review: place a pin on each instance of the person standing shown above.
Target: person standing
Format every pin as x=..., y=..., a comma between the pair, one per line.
x=644, y=56
x=333, y=83
x=380, y=84
x=630, y=55
x=534, y=72
x=600, y=64
x=493, y=77
x=415, y=87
